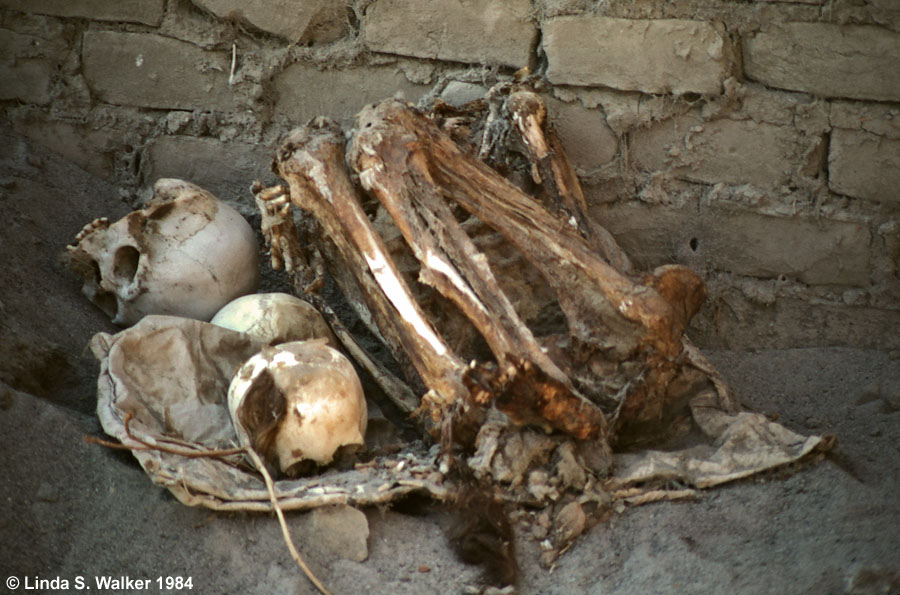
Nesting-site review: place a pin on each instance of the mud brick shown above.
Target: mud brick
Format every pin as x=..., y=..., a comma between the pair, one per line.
x=145, y=70
x=817, y=252
x=653, y=56
x=731, y=151
x=480, y=31
x=148, y=12
x=305, y=92
x=27, y=69
x=310, y=20
x=857, y=62
x=864, y=165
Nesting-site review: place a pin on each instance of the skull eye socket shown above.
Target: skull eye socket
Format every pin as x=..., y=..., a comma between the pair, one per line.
x=125, y=262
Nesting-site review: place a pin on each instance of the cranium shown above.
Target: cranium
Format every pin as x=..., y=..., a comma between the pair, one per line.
x=186, y=254
x=298, y=403
x=274, y=318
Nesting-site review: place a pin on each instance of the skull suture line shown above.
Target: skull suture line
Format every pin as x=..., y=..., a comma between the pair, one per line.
x=298, y=402
x=186, y=254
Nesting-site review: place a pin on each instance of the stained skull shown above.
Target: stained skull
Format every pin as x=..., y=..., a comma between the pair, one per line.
x=298, y=402
x=185, y=254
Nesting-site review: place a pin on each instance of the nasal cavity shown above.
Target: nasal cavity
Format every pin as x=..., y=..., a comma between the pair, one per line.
x=125, y=263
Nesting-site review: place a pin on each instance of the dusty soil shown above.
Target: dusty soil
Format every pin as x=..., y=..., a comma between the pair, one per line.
x=72, y=509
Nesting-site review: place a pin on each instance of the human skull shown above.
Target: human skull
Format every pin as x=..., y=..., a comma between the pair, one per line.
x=274, y=318
x=185, y=254
x=297, y=402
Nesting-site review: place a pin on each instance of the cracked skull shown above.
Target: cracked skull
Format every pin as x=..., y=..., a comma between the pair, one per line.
x=185, y=254
x=297, y=403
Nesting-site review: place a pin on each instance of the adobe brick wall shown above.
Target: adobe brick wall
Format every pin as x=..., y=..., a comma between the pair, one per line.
x=756, y=141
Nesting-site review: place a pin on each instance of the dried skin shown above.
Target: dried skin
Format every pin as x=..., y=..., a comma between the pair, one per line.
x=277, y=226
x=312, y=161
x=449, y=259
x=527, y=396
x=400, y=154
x=555, y=171
x=397, y=172
x=624, y=346
x=281, y=235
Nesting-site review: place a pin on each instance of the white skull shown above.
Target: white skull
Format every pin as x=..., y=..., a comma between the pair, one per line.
x=296, y=402
x=274, y=318
x=185, y=254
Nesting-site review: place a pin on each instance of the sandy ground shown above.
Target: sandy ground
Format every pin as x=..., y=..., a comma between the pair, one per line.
x=71, y=509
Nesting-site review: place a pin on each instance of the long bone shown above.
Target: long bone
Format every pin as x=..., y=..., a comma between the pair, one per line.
x=534, y=389
x=311, y=160
x=609, y=314
x=529, y=113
